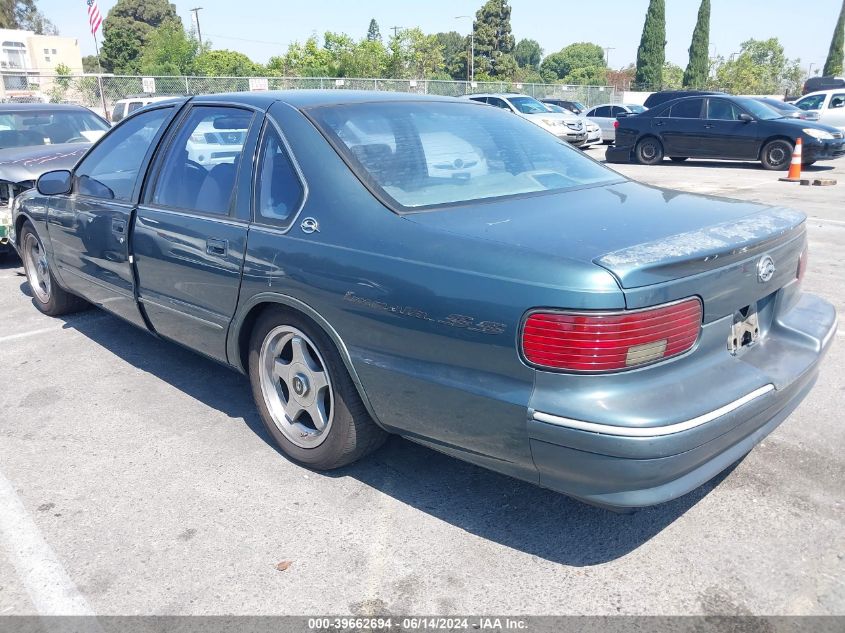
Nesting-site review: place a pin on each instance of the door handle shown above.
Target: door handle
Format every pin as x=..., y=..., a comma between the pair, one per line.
x=660, y=124
x=218, y=248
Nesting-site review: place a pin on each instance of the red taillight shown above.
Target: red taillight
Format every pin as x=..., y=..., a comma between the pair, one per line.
x=802, y=264
x=615, y=124
x=610, y=341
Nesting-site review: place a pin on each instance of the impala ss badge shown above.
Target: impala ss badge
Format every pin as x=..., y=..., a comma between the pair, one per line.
x=765, y=269
x=310, y=225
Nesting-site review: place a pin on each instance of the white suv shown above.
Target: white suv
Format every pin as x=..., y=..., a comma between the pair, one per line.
x=830, y=104
x=567, y=127
x=125, y=107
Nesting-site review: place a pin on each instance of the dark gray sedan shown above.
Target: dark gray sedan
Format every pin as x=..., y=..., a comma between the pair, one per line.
x=385, y=263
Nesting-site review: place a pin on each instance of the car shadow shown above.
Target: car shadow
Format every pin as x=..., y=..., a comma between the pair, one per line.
x=513, y=513
x=10, y=261
x=723, y=164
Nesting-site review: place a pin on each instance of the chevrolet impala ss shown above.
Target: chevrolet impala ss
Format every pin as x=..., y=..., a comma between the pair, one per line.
x=385, y=263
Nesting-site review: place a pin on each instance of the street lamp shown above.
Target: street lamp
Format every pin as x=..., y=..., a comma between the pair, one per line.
x=471, y=45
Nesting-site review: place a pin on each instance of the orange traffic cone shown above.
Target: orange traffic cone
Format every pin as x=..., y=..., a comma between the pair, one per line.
x=795, y=166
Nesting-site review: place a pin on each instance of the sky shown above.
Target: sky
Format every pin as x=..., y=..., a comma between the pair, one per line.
x=261, y=29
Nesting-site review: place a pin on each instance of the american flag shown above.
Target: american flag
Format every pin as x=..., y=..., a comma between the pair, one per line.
x=94, y=17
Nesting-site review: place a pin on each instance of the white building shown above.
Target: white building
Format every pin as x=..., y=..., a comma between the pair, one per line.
x=27, y=61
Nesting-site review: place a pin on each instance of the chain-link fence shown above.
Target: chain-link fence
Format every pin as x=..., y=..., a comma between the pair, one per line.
x=101, y=92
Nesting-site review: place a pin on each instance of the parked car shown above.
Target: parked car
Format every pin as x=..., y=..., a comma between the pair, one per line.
x=576, y=107
x=567, y=127
x=658, y=98
x=35, y=138
x=604, y=116
x=548, y=319
x=124, y=107
x=593, y=130
x=789, y=110
x=828, y=105
x=722, y=127
x=817, y=84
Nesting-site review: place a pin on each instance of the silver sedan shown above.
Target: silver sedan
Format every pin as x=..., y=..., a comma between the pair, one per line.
x=605, y=117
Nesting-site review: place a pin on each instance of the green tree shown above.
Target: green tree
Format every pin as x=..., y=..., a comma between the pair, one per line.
x=60, y=84
x=528, y=53
x=373, y=33
x=834, y=65
x=673, y=76
x=225, y=63
x=698, y=68
x=494, y=41
x=169, y=51
x=456, y=49
x=652, y=50
x=761, y=68
x=126, y=30
x=24, y=14
x=303, y=60
x=90, y=64
x=579, y=63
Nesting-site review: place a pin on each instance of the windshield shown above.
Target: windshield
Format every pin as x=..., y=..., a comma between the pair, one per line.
x=429, y=154
x=759, y=110
x=527, y=105
x=48, y=127
x=780, y=106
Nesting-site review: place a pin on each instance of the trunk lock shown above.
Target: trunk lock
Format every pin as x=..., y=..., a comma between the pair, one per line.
x=745, y=329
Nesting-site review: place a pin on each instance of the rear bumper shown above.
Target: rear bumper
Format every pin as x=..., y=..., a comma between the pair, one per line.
x=616, y=154
x=633, y=465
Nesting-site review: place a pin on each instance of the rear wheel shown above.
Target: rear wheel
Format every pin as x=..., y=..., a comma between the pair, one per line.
x=649, y=151
x=808, y=163
x=47, y=295
x=305, y=396
x=677, y=159
x=776, y=155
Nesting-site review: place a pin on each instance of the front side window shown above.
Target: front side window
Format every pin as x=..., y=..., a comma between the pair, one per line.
x=813, y=102
x=420, y=155
x=686, y=109
x=837, y=101
x=602, y=112
x=201, y=166
x=110, y=170
x=721, y=110
x=279, y=190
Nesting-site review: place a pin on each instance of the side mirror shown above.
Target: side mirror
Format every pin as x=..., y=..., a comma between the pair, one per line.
x=746, y=118
x=55, y=183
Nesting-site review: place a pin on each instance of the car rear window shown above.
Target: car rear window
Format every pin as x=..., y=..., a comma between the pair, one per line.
x=422, y=155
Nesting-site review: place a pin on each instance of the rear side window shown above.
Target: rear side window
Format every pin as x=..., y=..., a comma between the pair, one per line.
x=686, y=109
x=279, y=191
x=110, y=170
x=603, y=111
x=201, y=166
x=417, y=155
x=837, y=101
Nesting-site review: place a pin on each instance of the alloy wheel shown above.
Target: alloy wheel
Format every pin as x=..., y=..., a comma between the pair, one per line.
x=37, y=269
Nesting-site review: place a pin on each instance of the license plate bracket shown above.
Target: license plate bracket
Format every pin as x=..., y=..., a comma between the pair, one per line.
x=745, y=330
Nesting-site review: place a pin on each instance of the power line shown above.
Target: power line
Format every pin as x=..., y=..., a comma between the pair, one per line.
x=244, y=39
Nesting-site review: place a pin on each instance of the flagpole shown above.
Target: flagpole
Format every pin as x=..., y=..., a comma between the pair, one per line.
x=100, y=78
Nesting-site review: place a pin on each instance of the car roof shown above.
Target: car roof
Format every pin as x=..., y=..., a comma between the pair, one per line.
x=823, y=92
x=303, y=99
x=18, y=107
x=497, y=94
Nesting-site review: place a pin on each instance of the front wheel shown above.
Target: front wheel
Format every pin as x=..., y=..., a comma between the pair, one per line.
x=649, y=151
x=48, y=296
x=305, y=396
x=776, y=155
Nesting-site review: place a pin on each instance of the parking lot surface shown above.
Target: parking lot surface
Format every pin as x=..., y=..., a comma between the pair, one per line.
x=135, y=478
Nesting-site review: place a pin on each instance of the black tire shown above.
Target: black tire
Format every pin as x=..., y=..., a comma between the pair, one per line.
x=776, y=155
x=49, y=298
x=352, y=434
x=809, y=163
x=649, y=151
x=677, y=159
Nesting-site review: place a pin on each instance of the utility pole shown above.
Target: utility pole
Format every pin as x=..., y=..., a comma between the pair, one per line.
x=396, y=30
x=196, y=12
x=471, y=64
x=607, y=50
